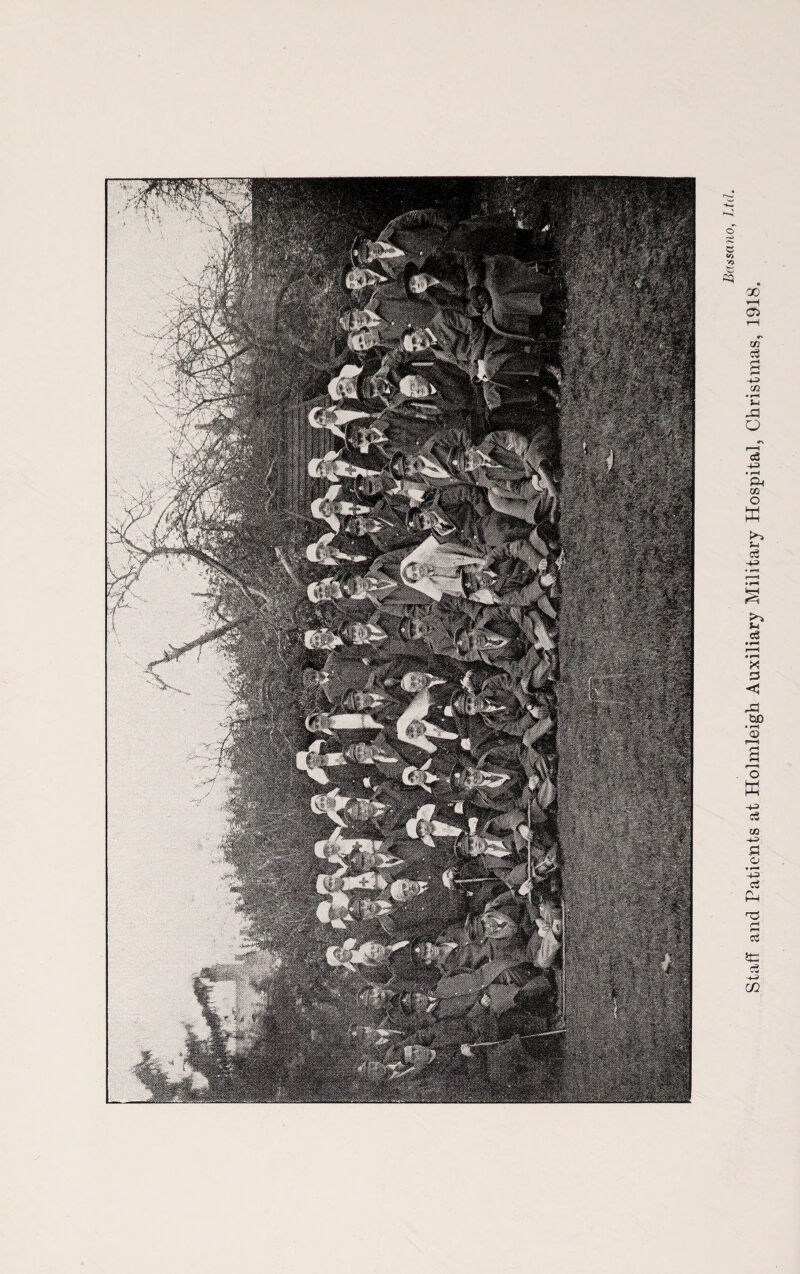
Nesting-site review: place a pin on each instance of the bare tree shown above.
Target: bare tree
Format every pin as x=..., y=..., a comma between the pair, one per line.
x=202, y=197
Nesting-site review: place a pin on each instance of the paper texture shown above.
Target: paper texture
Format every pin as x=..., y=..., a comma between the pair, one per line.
x=94, y=92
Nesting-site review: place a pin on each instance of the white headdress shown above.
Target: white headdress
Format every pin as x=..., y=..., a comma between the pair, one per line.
x=313, y=550
x=322, y=888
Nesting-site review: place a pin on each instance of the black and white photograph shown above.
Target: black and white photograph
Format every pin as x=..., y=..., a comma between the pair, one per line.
x=399, y=692
x=398, y=657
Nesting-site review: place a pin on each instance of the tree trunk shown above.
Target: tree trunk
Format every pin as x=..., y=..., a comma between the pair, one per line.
x=177, y=652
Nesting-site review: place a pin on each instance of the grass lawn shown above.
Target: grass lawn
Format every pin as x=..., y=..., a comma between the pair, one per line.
x=625, y=715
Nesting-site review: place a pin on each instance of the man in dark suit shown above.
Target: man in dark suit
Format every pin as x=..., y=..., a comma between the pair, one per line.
x=344, y=669
x=410, y=237
x=383, y=527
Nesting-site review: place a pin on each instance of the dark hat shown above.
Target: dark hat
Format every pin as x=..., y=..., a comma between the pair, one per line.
x=396, y=464
x=467, y=584
x=371, y=401
x=311, y=677
x=411, y=515
x=345, y=309
x=360, y=485
x=458, y=634
x=355, y=251
x=356, y=908
x=457, y=694
x=457, y=774
x=347, y=584
x=350, y=432
x=362, y=995
x=461, y=848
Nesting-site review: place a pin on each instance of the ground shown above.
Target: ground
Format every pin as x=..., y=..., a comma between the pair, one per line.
x=625, y=714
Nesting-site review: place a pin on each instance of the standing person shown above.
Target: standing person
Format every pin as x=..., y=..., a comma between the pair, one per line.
x=333, y=419
x=382, y=436
x=344, y=669
x=412, y=236
x=383, y=526
x=387, y=313
x=369, y=955
x=331, y=549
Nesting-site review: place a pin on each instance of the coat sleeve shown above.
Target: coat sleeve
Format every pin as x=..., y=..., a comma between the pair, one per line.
x=416, y=218
x=512, y=440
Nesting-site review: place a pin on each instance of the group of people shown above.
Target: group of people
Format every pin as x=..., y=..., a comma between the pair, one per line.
x=432, y=729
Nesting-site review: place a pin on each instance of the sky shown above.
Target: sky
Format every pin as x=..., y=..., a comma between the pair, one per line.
x=171, y=909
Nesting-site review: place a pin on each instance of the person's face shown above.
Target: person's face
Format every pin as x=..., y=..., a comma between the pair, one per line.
x=359, y=586
x=415, y=571
x=369, y=908
x=416, y=341
x=380, y=385
x=339, y=954
x=347, y=386
x=362, y=753
x=355, y=525
x=326, y=508
x=428, y=951
x=417, y=1054
x=417, y=284
x=360, y=634
x=364, y=340
x=417, y=1001
x=470, y=780
x=371, y=485
x=412, y=465
x=375, y=997
x=363, y=862
x=359, y=809
x=415, y=387
x=415, y=778
x=374, y=950
x=424, y=828
x=359, y=701
x=497, y=926
x=470, y=704
x=416, y=629
x=329, y=848
x=368, y=250
x=423, y=519
x=475, y=845
x=356, y=279
x=472, y=459
x=329, y=883
x=415, y=730
x=414, y=682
